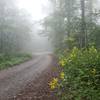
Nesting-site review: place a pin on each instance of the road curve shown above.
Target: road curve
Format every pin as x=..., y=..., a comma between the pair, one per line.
x=14, y=79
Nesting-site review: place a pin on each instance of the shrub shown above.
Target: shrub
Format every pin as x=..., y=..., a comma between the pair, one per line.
x=7, y=61
x=82, y=75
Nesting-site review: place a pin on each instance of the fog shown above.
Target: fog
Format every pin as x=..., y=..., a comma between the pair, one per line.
x=22, y=23
x=19, y=20
x=38, y=10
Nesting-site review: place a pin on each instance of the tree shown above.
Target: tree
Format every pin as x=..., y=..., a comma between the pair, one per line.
x=59, y=23
x=71, y=20
x=14, y=28
x=83, y=37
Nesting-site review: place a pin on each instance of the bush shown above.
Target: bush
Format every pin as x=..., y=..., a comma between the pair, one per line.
x=10, y=60
x=82, y=75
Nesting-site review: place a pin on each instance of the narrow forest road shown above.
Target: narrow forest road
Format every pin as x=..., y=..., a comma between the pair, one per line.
x=15, y=79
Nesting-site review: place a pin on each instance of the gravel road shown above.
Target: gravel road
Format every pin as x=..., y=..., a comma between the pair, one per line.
x=15, y=79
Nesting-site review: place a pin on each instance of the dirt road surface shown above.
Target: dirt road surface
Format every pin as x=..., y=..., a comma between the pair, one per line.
x=15, y=79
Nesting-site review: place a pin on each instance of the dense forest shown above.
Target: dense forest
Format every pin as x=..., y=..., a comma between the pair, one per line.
x=73, y=23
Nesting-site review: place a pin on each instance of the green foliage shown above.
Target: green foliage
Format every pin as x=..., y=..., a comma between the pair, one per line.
x=82, y=75
x=95, y=36
x=67, y=21
x=10, y=60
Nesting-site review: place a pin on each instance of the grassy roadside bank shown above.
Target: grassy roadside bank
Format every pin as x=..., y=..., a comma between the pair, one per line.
x=7, y=61
x=80, y=75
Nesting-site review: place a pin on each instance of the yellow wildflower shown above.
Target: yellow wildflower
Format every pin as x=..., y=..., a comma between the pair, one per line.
x=73, y=55
x=62, y=75
x=93, y=71
x=62, y=62
x=55, y=80
x=53, y=84
x=52, y=87
x=95, y=50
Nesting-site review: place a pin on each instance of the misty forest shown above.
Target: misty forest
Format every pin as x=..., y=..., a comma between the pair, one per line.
x=49, y=50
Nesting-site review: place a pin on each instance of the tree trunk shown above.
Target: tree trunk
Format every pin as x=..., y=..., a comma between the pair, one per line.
x=83, y=39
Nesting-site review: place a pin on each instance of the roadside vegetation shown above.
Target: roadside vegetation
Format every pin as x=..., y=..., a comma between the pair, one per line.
x=7, y=61
x=81, y=75
x=75, y=30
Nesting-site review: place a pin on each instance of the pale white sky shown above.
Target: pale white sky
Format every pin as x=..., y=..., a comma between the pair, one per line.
x=37, y=8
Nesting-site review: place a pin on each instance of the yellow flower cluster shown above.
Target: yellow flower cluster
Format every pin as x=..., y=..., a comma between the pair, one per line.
x=53, y=84
x=73, y=55
x=93, y=71
x=62, y=75
x=74, y=52
x=62, y=62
